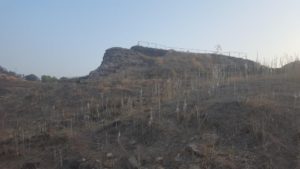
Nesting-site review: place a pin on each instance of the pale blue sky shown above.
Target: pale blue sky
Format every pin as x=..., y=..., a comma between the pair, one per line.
x=69, y=38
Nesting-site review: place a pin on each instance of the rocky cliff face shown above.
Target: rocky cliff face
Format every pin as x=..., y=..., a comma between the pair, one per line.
x=115, y=61
x=147, y=63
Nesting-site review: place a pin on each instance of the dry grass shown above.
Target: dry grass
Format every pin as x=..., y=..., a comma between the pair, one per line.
x=236, y=122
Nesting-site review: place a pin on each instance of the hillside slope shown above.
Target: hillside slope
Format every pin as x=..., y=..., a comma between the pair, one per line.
x=146, y=108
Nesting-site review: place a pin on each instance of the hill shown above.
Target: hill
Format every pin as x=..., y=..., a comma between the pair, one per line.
x=292, y=67
x=146, y=108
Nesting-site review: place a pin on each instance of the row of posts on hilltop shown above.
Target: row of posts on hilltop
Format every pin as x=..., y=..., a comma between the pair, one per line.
x=217, y=49
x=273, y=62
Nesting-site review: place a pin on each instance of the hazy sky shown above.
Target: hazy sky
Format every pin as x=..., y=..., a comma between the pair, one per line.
x=69, y=38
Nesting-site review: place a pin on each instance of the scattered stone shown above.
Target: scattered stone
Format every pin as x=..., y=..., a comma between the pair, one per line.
x=159, y=159
x=132, y=142
x=193, y=138
x=109, y=155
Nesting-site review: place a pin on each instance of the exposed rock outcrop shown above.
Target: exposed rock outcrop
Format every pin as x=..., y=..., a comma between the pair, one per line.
x=145, y=63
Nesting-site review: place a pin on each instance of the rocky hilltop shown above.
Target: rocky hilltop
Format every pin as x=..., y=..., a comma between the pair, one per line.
x=147, y=63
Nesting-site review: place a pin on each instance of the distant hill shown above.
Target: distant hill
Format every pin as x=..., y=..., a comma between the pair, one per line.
x=147, y=63
x=8, y=75
x=292, y=67
x=2, y=70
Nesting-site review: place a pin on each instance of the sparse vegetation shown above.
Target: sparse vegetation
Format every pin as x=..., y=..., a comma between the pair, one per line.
x=47, y=79
x=196, y=111
x=31, y=77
